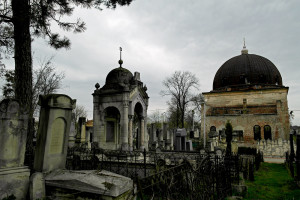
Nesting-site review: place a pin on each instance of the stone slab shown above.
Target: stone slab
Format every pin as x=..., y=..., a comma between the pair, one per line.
x=91, y=181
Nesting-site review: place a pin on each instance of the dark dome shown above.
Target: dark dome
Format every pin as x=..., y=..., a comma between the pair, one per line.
x=247, y=70
x=118, y=77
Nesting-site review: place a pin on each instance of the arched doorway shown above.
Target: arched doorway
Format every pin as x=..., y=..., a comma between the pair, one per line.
x=256, y=132
x=267, y=132
x=112, y=125
x=138, y=120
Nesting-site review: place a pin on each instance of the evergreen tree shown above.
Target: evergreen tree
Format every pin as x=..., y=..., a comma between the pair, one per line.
x=20, y=20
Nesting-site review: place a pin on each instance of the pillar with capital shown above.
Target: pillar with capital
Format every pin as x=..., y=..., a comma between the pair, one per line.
x=130, y=136
x=124, y=126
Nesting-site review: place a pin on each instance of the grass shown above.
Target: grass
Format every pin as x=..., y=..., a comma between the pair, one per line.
x=272, y=181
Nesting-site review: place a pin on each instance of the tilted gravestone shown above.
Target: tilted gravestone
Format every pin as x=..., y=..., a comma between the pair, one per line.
x=53, y=132
x=14, y=176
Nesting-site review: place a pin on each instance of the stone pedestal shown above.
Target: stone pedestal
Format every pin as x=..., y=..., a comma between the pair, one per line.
x=14, y=180
x=53, y=132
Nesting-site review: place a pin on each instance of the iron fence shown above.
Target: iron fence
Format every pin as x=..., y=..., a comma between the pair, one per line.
x=209, y=179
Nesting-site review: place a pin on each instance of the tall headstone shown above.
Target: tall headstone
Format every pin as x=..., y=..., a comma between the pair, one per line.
x=53, y=132
x=72, y=134
x=13, y=134
x=14, y=177
x=82, y=129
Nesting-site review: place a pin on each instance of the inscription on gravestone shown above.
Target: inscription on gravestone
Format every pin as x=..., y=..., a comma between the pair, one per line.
x=57, y=136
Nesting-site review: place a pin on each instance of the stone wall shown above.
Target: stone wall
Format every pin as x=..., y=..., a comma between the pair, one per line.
x=269, y=148
x=277, y=148
x=245, y=109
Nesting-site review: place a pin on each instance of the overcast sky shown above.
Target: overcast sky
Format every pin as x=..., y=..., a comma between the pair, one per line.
x=159, y=37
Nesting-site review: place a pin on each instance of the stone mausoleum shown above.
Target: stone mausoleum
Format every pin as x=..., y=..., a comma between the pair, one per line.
x=247, y=91
x=121, y=103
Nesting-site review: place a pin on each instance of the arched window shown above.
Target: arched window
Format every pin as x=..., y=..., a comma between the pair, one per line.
x=267, y=132
x=256, y=131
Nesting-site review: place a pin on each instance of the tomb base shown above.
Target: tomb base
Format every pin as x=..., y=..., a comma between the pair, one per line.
x=14, y=181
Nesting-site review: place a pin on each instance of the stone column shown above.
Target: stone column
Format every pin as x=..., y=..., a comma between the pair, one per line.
x=130, y=138
x=53, y=132
x=142, y=147
x=96, y=115
x=14, y=176
x=124, y=127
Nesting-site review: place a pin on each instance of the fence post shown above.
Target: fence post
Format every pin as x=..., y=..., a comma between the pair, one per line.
x=292, y=154
x=145, y=164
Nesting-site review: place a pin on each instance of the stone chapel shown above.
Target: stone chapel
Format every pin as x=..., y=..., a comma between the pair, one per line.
x=120, y=111
x=247, y=91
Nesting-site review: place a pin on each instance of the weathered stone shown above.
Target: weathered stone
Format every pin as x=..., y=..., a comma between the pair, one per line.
x=53, y=132
x=106, y=184
x=13, y=133
x=123, y=95
x=37, y=186
x=14, y=180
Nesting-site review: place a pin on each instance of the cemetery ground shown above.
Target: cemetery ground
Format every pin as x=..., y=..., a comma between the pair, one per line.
x=272, y=181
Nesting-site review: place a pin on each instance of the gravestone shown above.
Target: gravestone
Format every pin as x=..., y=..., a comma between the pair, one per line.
x=13, y=134
x=14, y=176
x=72, y=135
x=82, y=129
x=189, y=145
x=37, y=186
x=167, y=136
x=53, y=132
x=180, y=141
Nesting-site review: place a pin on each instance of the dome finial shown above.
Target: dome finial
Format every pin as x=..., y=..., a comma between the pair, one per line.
x=244, y=50
x=120, y=61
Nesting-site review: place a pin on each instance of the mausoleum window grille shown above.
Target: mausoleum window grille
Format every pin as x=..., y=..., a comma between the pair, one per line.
x=256, y=132
x=267, y=132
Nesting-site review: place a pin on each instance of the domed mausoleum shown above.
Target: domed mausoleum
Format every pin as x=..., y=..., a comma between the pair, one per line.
x=122, y=100
x=247, y=91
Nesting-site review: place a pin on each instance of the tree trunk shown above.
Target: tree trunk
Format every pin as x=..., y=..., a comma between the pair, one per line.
x=23, y=63
x=182, y=118
x=23, y=60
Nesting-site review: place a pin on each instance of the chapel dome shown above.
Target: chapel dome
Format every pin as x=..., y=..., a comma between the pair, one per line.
x=247, y=71
x=118, y=77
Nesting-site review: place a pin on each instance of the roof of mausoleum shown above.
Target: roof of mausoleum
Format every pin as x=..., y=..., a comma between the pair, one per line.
x=118, y=78
x=247, y=71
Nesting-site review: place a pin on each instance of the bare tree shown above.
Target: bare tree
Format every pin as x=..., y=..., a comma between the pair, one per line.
x=79, y=111
x=155, y=117
x=46, y=80
x=198, y=100
x=179, y=86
